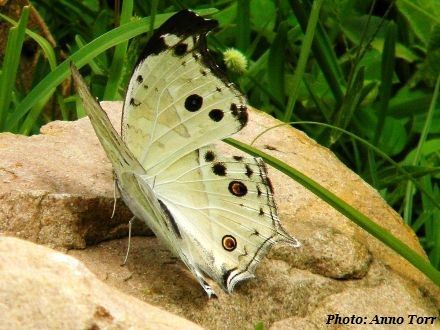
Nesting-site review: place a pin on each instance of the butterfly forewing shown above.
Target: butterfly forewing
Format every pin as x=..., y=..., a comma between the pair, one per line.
x=175, y=103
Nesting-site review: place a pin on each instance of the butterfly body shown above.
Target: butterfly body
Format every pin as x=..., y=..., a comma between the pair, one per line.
x=216, y=213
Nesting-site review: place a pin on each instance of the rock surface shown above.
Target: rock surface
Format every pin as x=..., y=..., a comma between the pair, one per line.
x=44, y=289
x=65, y=199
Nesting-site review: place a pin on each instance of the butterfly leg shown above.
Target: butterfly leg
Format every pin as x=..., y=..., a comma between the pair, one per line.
x=114, y=197
x=129, y=241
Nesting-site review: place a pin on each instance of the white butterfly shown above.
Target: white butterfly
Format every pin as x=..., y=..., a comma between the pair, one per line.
x=216, y=213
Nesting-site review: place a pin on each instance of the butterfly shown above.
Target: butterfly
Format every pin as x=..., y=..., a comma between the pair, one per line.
x=216, y=213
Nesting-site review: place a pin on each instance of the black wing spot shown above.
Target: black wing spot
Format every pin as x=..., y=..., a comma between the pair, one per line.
x=240, y=113
x=237, y=188
x=238, y=158
x=209, y=156
x=269, y=184
x=261, y=211
x=219, y=169
x=139, y=79
x=203, y=72
x=145, y=86
x=249, y=171
x=134, y=103
x=256, y=233
x=183, y=63
x=218, y=89
x=180, y=49
x=258, y=191
x=216, y=115
x=193, y=102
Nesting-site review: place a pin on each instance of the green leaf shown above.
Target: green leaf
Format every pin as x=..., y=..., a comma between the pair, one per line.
x=422, y=16
x=353, y=28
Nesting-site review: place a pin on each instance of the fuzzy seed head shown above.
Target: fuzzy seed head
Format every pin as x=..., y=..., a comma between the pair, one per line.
x=235, y=60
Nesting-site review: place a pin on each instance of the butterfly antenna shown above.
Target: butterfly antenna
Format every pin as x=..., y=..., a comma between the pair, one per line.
x=129, y=241
x=114, y=199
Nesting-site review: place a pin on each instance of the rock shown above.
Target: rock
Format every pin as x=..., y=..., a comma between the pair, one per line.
x=363, y=304
x=58, y=196
x=338, y=265
x=57, y=291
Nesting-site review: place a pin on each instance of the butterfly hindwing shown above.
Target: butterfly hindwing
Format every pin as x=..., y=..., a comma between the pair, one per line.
x=224, y=207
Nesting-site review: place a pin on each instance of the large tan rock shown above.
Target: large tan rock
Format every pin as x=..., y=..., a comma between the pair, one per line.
x=57, y=187
x=339, y=268
x=44, y=289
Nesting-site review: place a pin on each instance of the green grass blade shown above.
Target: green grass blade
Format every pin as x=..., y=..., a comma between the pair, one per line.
x=275, y=63
x=10, y=64
x=323, y=52
x=153, y=13
x=407, y=175
x=243, y=25
x=387, y=73
x=96, y=69
x=48, y=49
x=303, y=56
x=32, y=117
x=350, y=103
x=115, y=73
x=347, y=210
x=408, y=204
x=82, y=57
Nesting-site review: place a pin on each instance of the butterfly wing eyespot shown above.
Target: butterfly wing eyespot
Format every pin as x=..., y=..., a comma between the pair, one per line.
x=229, y=243
x=237, y=188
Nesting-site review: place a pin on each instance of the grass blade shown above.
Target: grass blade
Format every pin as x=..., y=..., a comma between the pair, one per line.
x=323, y=52
x=82, y=57
x=387, y=73
x=407, y=212
x=275, y=63
x=48, y=49
x=303, y=56
x=10, y=64
x=115, y=73
x=243, y=25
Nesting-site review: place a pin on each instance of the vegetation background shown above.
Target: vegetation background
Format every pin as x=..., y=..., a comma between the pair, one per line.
x=360, y=77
